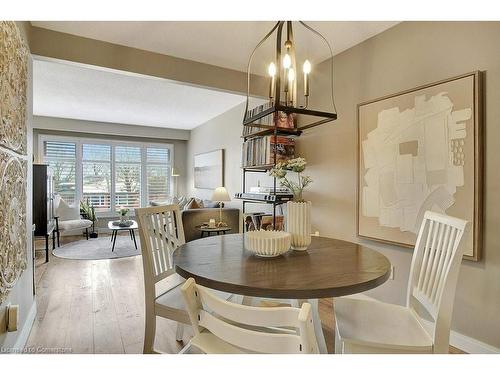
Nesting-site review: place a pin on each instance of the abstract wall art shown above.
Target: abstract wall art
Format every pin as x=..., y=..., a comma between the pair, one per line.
x=13, y=156
x=421, y=150
x=209, y=170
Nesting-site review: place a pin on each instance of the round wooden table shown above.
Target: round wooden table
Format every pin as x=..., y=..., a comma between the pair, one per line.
x=329, y=268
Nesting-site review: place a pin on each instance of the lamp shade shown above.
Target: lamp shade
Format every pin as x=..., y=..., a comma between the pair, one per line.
x=221, y=195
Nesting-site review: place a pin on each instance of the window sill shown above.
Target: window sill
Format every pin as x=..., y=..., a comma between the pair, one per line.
x=105, y=215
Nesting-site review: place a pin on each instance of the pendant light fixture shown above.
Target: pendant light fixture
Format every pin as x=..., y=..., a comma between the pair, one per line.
x=288, y=107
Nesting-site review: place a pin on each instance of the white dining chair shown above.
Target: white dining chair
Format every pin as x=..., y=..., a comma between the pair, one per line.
x=423, y=325
x=161, y=233
x=221, y=326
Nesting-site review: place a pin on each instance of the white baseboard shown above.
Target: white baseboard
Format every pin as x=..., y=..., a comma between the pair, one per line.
x=470, y=345
x=22, y=339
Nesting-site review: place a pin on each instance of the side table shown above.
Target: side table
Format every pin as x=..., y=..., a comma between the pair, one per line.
x=208, y=231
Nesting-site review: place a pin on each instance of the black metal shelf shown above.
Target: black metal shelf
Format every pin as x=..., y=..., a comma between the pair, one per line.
x=273, y=130
x=276, y=131
x=258, y=168
x=260, y=201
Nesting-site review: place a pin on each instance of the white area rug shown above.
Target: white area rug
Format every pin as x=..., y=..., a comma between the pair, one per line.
x=99, y=248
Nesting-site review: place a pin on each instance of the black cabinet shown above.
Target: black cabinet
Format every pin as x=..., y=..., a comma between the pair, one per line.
x=43, y=204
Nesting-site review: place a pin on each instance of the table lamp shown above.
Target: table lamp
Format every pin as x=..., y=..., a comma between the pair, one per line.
x=220, y=195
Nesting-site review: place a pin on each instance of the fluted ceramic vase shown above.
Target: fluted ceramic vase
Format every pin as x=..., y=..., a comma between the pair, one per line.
x=298, y=224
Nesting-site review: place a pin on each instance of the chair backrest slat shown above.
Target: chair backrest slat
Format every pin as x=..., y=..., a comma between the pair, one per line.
x=260, y=342
x=434, y=272
x=161, y=233
x=254, y=329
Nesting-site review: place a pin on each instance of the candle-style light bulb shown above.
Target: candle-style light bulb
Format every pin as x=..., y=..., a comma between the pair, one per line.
x=272, y=72
x=291, y=75
x=287, y=61
x=306, y=68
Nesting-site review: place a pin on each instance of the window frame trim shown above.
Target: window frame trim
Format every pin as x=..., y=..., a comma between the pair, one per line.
x=79, y=141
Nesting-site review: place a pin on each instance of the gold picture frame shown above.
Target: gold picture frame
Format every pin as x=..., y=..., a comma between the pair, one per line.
x=421, y=149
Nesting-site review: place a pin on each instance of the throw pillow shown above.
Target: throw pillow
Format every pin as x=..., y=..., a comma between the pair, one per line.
x=66, y=212
x=192, y=204
x=182, y=202
x=199, y=202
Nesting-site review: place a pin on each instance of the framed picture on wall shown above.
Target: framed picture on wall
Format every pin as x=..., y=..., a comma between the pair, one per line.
x=209, y=170
x=421, y=150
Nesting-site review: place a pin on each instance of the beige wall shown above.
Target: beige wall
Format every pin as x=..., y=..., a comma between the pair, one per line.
x=408, y=55
x=223, y=132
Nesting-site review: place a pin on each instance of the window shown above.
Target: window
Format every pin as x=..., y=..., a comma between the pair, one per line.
x=127, y=176
x=110, y=174
x=61, y=157
x=158, y=173
x=96, y=167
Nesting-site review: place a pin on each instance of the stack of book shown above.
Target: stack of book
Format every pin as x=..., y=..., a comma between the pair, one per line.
x=269, y=190
x=279, y=119
x=262, y=150
x=260, y=220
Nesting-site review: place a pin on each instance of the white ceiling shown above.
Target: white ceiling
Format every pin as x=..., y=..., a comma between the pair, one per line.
x=226, y=44
x=88, y=93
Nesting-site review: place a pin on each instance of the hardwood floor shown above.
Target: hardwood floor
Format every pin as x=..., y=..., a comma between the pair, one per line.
x=97, y=306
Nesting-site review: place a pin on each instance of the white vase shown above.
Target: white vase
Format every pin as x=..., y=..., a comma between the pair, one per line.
x=298, y=224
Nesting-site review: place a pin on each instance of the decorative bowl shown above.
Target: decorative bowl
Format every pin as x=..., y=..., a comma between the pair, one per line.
x=123, y=224
x=267, y=243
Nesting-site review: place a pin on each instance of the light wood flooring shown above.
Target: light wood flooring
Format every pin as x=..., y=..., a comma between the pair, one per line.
x=97, y=306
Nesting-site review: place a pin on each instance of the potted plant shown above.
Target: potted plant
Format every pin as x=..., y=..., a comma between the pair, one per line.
x=88, y=212
x=123, y=211
x=298, y=221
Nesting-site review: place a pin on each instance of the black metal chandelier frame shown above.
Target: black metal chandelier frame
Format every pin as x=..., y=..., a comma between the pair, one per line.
x=277, y=106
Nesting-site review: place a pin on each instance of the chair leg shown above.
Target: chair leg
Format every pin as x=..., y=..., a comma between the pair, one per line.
x=338, y=341
x=58, y=241
x=149, y=332
x=87, y=233
x=179, y=332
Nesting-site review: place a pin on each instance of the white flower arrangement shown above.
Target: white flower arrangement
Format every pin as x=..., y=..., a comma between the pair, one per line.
x=297, y=165
x=123, y=211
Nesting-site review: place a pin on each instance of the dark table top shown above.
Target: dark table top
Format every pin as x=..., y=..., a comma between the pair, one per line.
x=216, y=229
x=329, y=268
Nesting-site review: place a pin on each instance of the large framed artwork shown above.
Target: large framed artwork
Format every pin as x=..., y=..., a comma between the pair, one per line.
x=209, y=170
x=13, y=156
x=421, y=150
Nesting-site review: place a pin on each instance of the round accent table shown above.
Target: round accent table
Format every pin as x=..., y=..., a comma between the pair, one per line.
x=329, y=268
x=217, y=230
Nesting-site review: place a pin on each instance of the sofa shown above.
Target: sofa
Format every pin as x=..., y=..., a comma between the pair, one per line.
x=192, y=218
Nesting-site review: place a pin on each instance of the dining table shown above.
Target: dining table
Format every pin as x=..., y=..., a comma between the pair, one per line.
x=328, y=268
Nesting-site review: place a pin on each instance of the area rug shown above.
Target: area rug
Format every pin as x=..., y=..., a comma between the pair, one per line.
x=99, y=248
